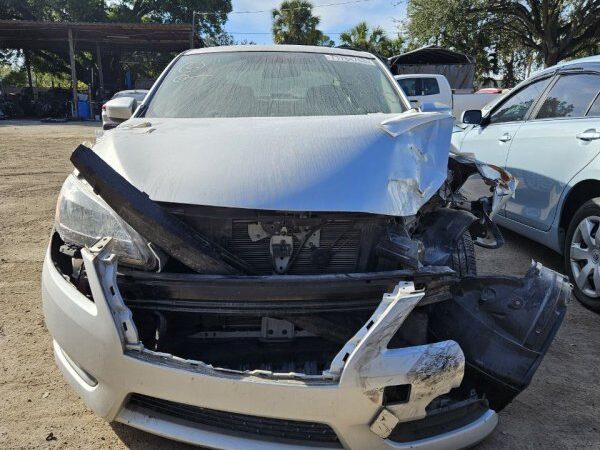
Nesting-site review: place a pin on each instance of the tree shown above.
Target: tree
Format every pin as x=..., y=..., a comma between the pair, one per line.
x=395, y=46
x=148, y=11
x=556, y=29
x=226, y=39
x=174, y=11
x=361, y=36
x=53, y=10
x=455, y=24
x=294, y=23
x=508, y=37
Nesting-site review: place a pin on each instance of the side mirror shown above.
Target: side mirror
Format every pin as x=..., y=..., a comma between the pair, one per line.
x=471, y=117
x=435, y=107
x=121, y=108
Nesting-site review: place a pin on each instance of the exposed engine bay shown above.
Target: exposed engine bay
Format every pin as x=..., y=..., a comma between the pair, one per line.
x=282, y=294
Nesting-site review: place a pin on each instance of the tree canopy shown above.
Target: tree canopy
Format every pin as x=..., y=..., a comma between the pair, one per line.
x=294, y=23
x=374, y=40
x=555, y=29
x=208, y=26
x=453, y=24
x=507, y=36
x=135, y=11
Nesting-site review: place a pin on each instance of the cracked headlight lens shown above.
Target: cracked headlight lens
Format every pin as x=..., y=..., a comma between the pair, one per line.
x=82, y=217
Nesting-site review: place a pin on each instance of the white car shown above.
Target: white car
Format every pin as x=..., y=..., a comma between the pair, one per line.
x=434, y=88
x=270, y=253
x=128, y=100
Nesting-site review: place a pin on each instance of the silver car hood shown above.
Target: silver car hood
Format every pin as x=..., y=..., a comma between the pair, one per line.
x=379, y=163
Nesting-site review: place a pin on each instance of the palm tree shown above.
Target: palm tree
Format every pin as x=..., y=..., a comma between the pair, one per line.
x=360, y=36
x=294, y=23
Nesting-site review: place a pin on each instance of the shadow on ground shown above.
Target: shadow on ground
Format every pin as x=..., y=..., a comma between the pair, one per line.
x=38, y=122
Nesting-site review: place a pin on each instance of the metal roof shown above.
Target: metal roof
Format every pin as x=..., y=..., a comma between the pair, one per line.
x=431, y=54
x=21, y=34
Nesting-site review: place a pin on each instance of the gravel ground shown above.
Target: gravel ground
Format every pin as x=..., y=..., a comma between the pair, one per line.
x=560, y=409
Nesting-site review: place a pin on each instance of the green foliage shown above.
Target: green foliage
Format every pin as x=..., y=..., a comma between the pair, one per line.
x=225, y=39
x=361, y=36
x=294, y=23
x=507, y=37
x=555, y=29
x=13, y=77
x=54, y=10
x=395, y=46
x=456, y=24
x=174, y=11
x=56, y=64
x=373, y=40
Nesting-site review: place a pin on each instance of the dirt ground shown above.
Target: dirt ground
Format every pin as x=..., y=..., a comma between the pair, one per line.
x=560, y=410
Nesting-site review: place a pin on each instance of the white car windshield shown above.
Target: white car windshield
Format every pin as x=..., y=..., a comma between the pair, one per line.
x=273, y=84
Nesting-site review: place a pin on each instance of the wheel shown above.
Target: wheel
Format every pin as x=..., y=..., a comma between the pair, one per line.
x=463, y=258
x=582, y=254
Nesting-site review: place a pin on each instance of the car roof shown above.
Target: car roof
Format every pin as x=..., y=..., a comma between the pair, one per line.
x=281, y=48
x=587, y=59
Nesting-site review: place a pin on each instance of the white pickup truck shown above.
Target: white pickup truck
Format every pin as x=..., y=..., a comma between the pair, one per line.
x=433, y=88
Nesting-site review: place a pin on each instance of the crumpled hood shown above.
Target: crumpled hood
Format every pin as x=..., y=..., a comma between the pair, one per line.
x=379, y=163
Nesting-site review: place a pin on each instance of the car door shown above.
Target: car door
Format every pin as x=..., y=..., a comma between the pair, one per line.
x=561, y=138
x=491, y=141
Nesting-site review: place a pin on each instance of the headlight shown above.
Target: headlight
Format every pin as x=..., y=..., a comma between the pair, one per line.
x=82, y=217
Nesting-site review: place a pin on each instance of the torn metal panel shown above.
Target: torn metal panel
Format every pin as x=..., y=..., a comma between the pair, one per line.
x=101, y=269
x=469, y=186
x=287, y=163
x=377, y=332
x=366, y=361
x=384, y=424
x=497, y=180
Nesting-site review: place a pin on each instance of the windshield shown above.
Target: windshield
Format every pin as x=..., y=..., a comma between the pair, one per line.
x=273, y=84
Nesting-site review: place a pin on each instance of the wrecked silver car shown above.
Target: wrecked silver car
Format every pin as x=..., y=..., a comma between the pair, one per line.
x=275, y=251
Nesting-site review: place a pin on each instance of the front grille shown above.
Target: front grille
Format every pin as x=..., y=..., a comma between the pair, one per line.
x=339, y=237
x=240, y=423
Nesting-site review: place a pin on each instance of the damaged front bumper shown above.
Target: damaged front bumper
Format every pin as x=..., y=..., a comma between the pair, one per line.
x=373, y=395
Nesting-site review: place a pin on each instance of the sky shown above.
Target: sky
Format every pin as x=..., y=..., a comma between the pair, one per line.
x=334, y=18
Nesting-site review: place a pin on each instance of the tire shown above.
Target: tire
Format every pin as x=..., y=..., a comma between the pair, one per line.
x=587, y=292
x=463, y=258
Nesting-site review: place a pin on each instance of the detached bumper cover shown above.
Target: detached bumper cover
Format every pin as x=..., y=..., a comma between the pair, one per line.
x=97, y=336
x=97, y=348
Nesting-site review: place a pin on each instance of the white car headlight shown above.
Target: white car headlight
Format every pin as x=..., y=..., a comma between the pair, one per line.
x=82, y=217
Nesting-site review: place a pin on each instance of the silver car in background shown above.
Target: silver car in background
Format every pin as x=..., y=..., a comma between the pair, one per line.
x=546, y=132
x=129, y=100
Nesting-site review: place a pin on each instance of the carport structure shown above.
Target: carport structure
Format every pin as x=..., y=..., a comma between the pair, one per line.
x=95, y=38
x=457, y=67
